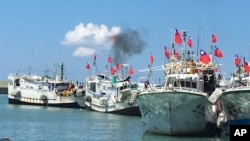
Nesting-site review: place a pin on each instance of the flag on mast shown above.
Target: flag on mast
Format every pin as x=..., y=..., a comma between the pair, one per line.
x=166, y=53
x=204, y=57
x=189, y=42
x=87, y=66
x=214, y=38
x=177, y=37
x=237, y=60
x=217, y=52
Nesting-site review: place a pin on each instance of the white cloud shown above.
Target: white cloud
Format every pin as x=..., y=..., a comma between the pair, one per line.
x=83, y=52
x=90, y=36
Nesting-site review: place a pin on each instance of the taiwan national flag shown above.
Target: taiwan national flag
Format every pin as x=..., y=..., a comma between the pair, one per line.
x=87, y=66
x=237, y=60
x=166, y=53
x=118, y=66
x=151, y=59
x=177, y=37
x=245, y=66
x=217, y=52
x=177, y=55
x=204, y=57
x=214, y=38
x=112, y=71
x=131, y=71
x=109, y=59
x=189, y=42
x=94, y=57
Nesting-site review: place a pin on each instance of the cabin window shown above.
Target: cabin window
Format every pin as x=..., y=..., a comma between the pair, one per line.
x=17, y=82
x=193, y=84
x=92, y=87
x=182, y=83
x=188, y=84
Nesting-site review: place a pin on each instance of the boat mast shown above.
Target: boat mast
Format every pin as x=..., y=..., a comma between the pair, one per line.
x=61, y=74
x=94, y=65
x=198, y=42
x=184, y=39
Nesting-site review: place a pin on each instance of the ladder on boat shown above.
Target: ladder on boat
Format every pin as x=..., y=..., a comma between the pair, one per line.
x=215, y=95
x=133, y=98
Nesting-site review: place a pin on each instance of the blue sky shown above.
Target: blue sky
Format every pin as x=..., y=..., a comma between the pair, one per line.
x=39, y=34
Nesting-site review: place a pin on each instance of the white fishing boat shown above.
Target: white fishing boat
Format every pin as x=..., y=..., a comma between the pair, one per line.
x=41, y=90
x=111, y=95
x=235, y=101
x=180, y=106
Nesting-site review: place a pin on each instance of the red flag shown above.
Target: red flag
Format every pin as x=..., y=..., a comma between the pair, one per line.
x=131, y=71
x=87, y=66
x=177, y=55
x=204, y=57
x=118, y=66
x=112, y=70
x=166, y=52
x=214, y=38
x=94, y=57
x=177, y=37
x=246, y=67
x=217, y=52
x=189, y=42
x=151, y=59
x=237, y=60
x=109, y=59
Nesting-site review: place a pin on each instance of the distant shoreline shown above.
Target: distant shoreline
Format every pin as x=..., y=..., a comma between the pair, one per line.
x=4, y=87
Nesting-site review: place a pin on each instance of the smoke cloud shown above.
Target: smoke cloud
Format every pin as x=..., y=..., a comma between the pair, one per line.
x=125, y=44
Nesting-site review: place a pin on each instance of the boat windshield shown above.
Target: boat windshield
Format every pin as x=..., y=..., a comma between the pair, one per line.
x=102, y=77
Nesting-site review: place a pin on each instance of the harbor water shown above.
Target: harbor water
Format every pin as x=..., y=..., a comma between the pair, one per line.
x=37, y=123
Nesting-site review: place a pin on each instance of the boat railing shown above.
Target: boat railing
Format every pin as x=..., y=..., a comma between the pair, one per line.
x=239, y=87
x=184, y=88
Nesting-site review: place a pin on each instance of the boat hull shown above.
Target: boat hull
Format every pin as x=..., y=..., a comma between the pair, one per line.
x=236, y=104
x=33, y=97
x=173, y=113
x=110, y=106
x=133, y=111
x=62, y=105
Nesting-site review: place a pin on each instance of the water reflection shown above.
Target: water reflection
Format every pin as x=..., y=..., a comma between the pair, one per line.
x=157, y=137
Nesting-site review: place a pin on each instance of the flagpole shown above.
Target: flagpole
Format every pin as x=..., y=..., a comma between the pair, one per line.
x=198, y=42
x=212, y=54
x=172, y=44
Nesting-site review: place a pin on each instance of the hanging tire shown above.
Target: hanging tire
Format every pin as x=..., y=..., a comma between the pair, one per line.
x=88, y=98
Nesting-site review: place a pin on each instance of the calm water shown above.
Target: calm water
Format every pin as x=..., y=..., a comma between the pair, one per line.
x=34, y=123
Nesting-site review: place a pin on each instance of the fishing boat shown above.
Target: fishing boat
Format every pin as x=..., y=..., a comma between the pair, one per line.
x=180, y=106
x=109, y=95
x=235, y=101
x=112, y=93
x=33, y=89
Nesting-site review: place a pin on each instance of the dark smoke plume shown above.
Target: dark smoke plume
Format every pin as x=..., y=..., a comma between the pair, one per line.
x=126, y=44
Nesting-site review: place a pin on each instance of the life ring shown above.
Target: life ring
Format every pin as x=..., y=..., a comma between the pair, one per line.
x=244, y=82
